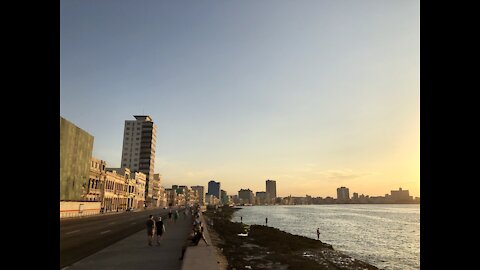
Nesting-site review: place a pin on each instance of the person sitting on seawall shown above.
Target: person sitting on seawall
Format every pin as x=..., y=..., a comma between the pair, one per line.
x=193, y=240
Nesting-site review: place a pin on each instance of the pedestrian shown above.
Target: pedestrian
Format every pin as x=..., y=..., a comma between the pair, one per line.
x=175, y=216
x=170, y=216
x=266, y=221
x=318, y=233
x=150, y=229
x=160, y=229
x=241, y=219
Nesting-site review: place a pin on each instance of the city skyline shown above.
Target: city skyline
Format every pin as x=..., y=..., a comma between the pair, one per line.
x=313, y=94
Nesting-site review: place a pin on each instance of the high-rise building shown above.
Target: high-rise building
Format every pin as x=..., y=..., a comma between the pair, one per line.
x=271, y=190
x=138, y=153
x=214, y=189
x=343, y=194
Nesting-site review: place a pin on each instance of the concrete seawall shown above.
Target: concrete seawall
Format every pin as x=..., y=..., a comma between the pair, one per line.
x=201, y=257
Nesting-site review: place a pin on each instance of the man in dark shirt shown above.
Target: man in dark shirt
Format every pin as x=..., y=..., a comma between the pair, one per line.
x=150, y=229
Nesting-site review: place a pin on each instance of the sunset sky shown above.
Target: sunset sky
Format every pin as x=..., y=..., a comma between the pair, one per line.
x=312, y=94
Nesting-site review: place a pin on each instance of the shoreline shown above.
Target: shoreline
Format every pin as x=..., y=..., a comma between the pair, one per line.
x=262, y=247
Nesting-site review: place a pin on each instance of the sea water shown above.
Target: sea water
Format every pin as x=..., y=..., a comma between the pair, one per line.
x=385, y=235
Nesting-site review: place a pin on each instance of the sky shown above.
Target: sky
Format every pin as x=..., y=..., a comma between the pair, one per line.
x=313, y=94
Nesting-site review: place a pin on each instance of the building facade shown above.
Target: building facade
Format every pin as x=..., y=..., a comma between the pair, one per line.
x=214, y=188
x=96, y=180
x=138, y=152
x=200, y=193
x=271, y=191
x=400, y=196
x=140, y=183
x=343, y=194
x=246, y=196
x=76, y=146
x=261, y=197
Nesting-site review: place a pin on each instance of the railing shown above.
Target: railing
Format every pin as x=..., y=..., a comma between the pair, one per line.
x=78, y=213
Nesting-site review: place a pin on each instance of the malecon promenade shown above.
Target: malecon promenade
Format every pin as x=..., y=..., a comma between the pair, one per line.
x=133, y=252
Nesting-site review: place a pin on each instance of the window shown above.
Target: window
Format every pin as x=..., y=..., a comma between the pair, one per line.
x=124, y=164
x=138, y=128
x=128, y=128
x=137, y=139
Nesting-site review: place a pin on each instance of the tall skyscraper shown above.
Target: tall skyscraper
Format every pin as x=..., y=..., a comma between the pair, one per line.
x=138, y=154
x=214, y=188
x=343, y=194
x=271, y=190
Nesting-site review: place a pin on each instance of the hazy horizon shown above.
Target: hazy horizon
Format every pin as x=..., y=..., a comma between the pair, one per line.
x=313, y=94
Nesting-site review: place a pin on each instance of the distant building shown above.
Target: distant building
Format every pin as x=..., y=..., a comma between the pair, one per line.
x=343, y=194
x=157, y=189
x=246, y=196
x=171, y=194
x=224, y=197
x=261, y=197
x=138, y=152
x=76, y=147
x=271, y=191
x=355, y=196
x=200, y=193
x=214, y=188
x=400, y=195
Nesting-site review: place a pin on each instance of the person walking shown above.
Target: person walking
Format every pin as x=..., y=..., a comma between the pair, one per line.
x=150, y=229
x=175, y=216
x=170, y=216
x=266, y=221
x=241, y=219
x=160, y=229
x=318, y=233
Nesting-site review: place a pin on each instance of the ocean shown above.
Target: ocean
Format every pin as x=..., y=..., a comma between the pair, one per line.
x=384, y=235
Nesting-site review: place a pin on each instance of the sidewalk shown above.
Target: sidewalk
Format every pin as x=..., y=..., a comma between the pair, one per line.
x=133, y=252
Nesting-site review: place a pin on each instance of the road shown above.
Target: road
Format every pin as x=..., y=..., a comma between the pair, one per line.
x=84, y=236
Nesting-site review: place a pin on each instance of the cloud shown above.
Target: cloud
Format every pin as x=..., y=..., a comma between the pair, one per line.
x=343, y=174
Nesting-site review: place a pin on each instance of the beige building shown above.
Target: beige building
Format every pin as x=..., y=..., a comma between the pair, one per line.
x=138, y=152
x=96, y=180
x=116, y=190
x=200, y=191
x=171, y=194
x=156, y=188
x=140, y=182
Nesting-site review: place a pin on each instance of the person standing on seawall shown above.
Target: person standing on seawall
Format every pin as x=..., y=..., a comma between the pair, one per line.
x=266, y=221
x=318, y=233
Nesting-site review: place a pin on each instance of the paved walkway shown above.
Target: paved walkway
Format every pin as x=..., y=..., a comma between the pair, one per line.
x=134, y=252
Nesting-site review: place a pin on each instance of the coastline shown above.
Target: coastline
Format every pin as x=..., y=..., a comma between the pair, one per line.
x=262, y=247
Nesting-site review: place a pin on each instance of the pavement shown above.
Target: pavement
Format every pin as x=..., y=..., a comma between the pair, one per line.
x=134, y=252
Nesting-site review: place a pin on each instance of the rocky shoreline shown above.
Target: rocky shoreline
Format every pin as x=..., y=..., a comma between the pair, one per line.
x=262, y=247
